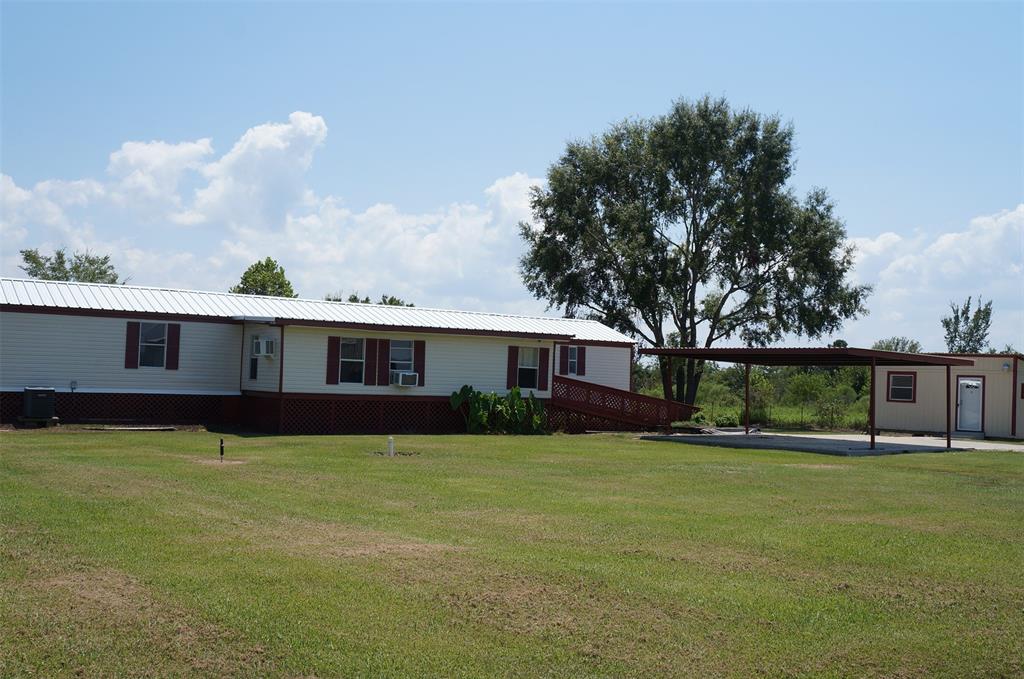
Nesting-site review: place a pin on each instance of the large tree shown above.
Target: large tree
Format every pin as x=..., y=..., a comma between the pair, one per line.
x=685, y=223
x=967, y=331
x=265, y=278
x=83, y=267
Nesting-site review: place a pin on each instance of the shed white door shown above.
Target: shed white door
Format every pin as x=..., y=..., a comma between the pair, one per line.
x=969, y=395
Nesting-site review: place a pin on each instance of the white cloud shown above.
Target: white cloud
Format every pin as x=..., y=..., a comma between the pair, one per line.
x=254, y=201
x=150, y=172
x=916, y=277
x=262, y=177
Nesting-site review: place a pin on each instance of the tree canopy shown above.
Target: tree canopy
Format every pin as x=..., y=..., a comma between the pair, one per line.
x=388, y=300
x=967, y=331
x=903, y=344
x=84, y=267
x=265, y=278
x=685, y=223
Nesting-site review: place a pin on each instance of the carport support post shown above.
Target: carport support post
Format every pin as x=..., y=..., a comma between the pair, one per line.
x=746, y=398
x=949, y=420
x=871, y=402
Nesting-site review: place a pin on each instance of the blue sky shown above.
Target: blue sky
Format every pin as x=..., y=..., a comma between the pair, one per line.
x=389, y=147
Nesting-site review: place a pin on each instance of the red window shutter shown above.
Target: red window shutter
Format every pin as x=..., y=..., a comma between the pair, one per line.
x=581, y=361
x=545, y=366
x=512, y=377
x=563, y=360
x=131, y=345
x=419, y=355
x=383, y=362
x=173, y=342
x=370, y=367
x=333, y=359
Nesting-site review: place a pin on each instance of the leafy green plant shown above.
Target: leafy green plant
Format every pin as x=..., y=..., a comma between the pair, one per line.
x=493, y=414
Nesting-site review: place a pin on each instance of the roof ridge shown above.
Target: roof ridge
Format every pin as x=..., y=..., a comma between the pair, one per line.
x=299, y=299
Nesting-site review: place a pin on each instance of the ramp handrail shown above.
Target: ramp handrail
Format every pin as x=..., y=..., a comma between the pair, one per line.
x=617, y=404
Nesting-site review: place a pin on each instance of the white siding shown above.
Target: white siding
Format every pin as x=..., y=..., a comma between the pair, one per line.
x=450, y=362
x=269, y=367
x=51, y=350
x=607, y=366
x=927, y=414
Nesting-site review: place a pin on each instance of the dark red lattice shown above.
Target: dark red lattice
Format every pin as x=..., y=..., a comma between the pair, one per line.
x=575, y=422
x=131, y=408
x=332, y=415
x=597, y=407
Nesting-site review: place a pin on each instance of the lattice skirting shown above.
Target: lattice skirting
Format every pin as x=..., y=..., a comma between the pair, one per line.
x=575, y=422
x=327, y=415
x=293, y=414
x=134, y=408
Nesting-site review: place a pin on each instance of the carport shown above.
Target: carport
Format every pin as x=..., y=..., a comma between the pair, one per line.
x=820, y=357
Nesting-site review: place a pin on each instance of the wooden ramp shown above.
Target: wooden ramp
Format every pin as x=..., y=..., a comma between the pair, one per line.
x=579, y=406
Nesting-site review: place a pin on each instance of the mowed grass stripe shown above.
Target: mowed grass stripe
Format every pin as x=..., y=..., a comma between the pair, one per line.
x=598, y=555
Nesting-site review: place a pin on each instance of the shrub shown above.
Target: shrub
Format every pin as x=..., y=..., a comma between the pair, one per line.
x=493, y=414
x=727, y=420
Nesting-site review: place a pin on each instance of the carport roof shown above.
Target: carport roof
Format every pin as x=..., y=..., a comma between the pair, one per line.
x=820, y=356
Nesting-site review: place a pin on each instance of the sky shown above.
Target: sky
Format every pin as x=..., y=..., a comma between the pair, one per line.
x=390, y=148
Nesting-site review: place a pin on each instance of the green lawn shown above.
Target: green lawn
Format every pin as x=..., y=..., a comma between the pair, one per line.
x=129, y=554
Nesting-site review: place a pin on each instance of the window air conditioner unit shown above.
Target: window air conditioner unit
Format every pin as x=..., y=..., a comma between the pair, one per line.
x=263, y=347
x=405, y=378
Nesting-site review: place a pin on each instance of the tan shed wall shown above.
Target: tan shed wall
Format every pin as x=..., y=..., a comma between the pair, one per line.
x=927, y=414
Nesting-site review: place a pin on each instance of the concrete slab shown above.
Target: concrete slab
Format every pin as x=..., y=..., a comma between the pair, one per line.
x=854, y=445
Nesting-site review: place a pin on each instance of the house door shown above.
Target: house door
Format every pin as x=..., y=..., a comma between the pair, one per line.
x=969, y=395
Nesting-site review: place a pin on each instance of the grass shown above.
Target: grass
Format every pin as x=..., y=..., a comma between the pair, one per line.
x=133, y=554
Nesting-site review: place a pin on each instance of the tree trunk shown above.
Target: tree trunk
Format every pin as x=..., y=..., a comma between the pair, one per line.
x=687, y=380
x=665, y=366
x=681, y=378
x=692, y=382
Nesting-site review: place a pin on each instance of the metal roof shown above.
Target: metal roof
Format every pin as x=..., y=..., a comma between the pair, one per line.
x=57, y=295
x=809, y=356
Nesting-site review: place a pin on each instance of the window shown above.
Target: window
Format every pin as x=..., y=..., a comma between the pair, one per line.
x=401, y=358
x=529, y=367
x=351, y=360
x=902, y=387
x=254, y=364
x=152, y=344
x=573, y=360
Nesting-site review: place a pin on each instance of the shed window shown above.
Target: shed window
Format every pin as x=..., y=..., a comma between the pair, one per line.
x=401, y=358
x=529, y=367
x=902, y=387
x=352, y=360
x=573, y=360
x=152, y=344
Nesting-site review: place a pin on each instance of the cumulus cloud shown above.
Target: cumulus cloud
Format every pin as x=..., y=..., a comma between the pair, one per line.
x=917, y=276
x=205, y=218
x=179, y=214
x=262, y=177
x=150, y=172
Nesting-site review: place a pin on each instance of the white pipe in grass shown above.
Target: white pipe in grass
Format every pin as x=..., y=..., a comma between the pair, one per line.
x=391, y=446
